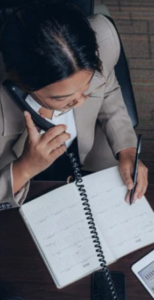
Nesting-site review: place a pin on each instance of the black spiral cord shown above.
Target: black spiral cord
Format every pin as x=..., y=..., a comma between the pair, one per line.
x=92, y=227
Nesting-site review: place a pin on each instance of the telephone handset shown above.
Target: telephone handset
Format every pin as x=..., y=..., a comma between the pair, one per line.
x=19, y=96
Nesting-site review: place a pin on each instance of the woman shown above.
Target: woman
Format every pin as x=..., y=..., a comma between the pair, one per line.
x=66, y=65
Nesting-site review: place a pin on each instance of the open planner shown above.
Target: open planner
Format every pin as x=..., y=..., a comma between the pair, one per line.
x=59, y=226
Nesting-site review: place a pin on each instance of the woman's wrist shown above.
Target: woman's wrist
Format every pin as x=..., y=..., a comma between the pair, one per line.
x=20, y=175
x=22, y=168
x=127, y=152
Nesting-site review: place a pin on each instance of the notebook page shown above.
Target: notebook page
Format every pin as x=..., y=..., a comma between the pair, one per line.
x=125, y=227
x=59, y=225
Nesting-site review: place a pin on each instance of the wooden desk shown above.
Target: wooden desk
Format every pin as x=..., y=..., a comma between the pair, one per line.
x=23, y=273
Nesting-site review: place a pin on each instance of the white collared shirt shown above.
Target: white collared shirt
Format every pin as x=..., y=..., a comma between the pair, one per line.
x=66, y=119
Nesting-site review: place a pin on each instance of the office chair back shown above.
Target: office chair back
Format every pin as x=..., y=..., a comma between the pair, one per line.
x=123, y=77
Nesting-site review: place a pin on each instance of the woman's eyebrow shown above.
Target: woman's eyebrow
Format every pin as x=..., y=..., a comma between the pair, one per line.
x=64, y=96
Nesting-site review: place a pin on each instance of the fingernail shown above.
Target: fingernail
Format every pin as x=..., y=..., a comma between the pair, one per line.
x=135, y=199
x=127, y=199
x=129, y=186
x=25, y=113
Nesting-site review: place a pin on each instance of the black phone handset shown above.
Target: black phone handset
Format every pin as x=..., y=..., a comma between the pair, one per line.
x=18, y=96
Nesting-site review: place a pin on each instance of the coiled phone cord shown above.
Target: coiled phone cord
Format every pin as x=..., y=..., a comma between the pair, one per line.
x=92, y=227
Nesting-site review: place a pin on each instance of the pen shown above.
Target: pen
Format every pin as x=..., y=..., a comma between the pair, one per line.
x=138, y=151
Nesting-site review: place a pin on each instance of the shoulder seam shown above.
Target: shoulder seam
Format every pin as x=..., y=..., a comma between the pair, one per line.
x=112, y=35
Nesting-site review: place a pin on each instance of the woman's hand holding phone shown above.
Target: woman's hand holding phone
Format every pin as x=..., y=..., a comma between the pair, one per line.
x=40, y=151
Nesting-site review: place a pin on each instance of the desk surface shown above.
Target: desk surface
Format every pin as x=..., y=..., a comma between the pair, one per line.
x=23, y=273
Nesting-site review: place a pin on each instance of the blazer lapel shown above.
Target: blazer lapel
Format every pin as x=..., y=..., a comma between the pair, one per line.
x=19, y=144
x=86, y=116
x=13, y=120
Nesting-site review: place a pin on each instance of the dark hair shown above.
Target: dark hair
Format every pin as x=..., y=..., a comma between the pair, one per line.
x=46, y=41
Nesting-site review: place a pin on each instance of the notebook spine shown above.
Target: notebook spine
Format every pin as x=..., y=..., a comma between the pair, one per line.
x=92, y=227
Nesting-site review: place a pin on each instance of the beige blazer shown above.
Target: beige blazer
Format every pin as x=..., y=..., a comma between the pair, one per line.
x=103, y=125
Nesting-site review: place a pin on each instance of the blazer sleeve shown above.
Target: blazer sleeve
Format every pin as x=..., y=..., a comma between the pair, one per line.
x=113, y=114
x=114, y=118
x=7, y=198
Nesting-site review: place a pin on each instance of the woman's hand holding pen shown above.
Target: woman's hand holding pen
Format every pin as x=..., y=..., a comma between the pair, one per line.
x=126, y=167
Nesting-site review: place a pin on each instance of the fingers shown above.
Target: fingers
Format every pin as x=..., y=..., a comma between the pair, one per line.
x=53, y=132
x=142, y=183
x=31, y=128
x=58, y=141
x=38, y=129
x=57, y=152
x=127, y=178
x=127, y=199
x=126, y=166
